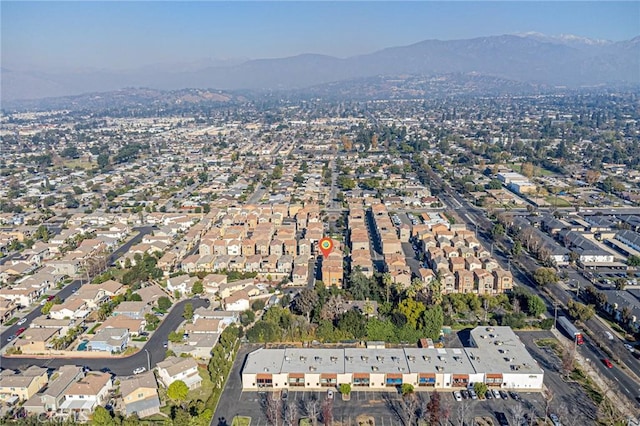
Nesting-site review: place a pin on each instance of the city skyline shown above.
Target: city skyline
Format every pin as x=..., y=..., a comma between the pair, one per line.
x=102, y=35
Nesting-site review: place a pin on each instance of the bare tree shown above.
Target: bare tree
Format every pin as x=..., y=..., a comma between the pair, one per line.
x=516, y=413
x=312, y=408
x=445, y=411
x=408, y=409
x=462, y=412
x=273, y=409
x=290, y=414
x=568, y=360
x=327, y=412
x=432, y=409
x=547, y=395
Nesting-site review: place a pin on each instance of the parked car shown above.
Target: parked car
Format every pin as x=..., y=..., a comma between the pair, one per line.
x=555, y=419
x=284, y=394
x=473, y=394
x=457, y=396
x=20, y=331
x=465, y=394
x=165, y=344
x=488, y=395
x=43, y=302
x=139, y=370
x=22, y=321
x=629, y=347
x=504, y=395
x=50, y=298
x=606, y=362
x=496, y=394
x=514, y=395
x=10, y=338
x=330, y=394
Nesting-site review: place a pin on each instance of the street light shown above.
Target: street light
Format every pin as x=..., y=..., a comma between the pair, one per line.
x=148, y=360
x=555, y=314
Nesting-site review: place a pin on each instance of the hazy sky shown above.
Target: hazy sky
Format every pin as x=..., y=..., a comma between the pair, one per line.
x=120, y=35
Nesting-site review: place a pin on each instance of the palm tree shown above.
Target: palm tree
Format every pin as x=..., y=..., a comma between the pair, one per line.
x=386, y=280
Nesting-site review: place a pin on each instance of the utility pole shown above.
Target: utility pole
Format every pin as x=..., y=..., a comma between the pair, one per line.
x=555, y=314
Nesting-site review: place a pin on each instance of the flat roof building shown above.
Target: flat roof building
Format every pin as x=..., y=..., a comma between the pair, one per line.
x=498, y=358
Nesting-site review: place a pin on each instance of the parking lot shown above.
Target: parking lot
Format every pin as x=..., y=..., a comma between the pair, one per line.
x=386, y=406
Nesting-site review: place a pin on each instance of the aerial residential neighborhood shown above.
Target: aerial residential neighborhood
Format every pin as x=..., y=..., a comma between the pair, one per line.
x=319, y=213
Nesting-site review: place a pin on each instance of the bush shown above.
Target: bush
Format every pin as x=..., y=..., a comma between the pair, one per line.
x=345, y=388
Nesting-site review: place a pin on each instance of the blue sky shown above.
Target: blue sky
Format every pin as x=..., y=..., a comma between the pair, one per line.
x=122, y=35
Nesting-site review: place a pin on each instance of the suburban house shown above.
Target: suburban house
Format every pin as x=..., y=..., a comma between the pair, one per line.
x=109, y=340
x=140, y=395
x=175, y=368
x=83, y=396
x=36, y=340
x=135, y=310
x=238, y=301
x=23, y=385
x=52, y=396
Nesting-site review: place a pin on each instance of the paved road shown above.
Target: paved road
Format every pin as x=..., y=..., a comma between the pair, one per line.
x=74, y=285
x=476, y=219
x=119, y=366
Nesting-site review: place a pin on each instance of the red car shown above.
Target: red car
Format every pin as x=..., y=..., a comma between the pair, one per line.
x=607, y=362
x=50, y=298
x=20, y=331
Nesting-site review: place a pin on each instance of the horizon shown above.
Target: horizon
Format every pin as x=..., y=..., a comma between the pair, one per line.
x=121, y=36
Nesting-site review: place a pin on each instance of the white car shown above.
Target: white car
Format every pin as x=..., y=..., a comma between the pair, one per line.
x=629, y=347
x=139, y=370
x=457, y=395
x=496, y=394
x=22, y=321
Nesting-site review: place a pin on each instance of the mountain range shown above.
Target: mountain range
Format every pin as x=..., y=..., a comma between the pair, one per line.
x=531, y=58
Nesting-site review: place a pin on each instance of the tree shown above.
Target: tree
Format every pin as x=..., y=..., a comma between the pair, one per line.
x=497, y=231
x=103, y=161
x=102, y=417
x=247, y=317
x=152, y=321
x=433, y=408
x=386, y=281
x=480, y=389
x=545, y=276
x=433, y=320
x=412, y=310
x=175, y=337
x=568, y=360
x=188, y=312
x=327, y=412
x=535, y=305
x=621, y=283
x=290, y=409
x=197, y=288
x=345, y=388
x=633, y=260
x=516, y=250
x=258, y=305
x=164, y=303
x=177, y=391
x=406, y=389
x=306, y=300
x=311, y=406
x=180, y=417
x=580, y=311
x=135, y=297
x=47, y=307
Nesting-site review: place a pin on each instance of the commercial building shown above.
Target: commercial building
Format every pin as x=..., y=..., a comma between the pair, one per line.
x=498, y=358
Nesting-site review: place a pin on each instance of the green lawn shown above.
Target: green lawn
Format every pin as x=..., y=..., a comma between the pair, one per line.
x=241, y=421
x=11, y=321
x=557, y=201
x=205, y=390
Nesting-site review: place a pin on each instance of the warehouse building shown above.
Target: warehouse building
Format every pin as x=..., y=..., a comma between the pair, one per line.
x=497, y=358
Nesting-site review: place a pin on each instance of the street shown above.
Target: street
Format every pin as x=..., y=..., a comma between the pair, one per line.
x=152, y=352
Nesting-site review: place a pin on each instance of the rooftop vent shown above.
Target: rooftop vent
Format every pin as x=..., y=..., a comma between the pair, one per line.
x=374, y=368
x=303, y=358
x=312, y=368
